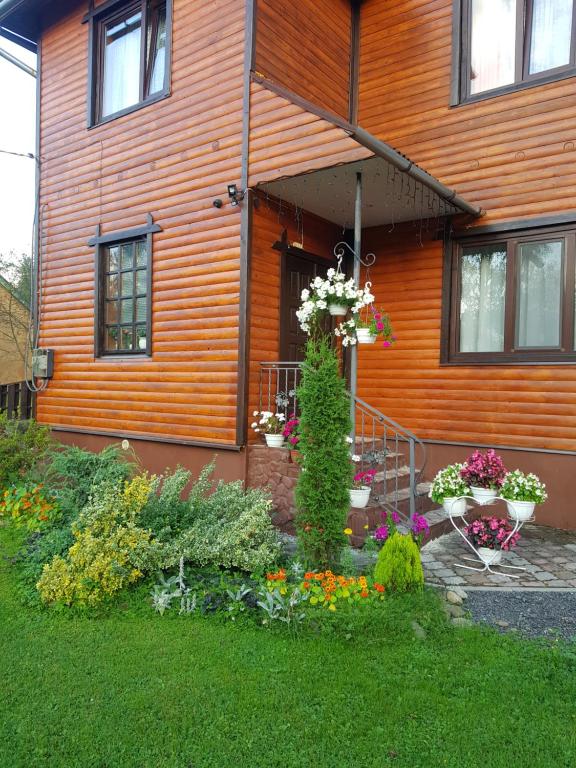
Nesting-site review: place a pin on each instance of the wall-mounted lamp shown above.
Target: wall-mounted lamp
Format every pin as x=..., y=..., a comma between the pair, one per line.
x=234, y=194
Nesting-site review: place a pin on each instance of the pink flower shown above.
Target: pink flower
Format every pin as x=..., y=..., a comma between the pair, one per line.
x=386, y=343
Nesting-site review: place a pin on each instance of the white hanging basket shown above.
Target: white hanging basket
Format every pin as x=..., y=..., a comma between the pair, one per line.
x=483, y=495
x=364, y=336
x=337, y=309
x=274, y=441
x=359, y=497
x=454, y=506
x=521, y=510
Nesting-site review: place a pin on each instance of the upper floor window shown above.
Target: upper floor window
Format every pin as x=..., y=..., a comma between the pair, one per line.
x=513, y=298
x=507, y=44
x=130, y=61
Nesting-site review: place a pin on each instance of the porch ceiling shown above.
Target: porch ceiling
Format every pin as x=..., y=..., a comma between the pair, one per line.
x=389, y=195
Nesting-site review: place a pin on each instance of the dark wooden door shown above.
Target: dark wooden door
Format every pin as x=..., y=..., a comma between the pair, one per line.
x=298, y=272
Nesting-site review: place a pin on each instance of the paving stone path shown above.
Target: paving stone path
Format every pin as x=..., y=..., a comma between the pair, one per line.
x=547, y=554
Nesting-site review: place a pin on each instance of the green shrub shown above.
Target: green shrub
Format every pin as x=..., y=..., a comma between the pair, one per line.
x=167, y=514
x=108, y=551
x=399, y=566
x=322, y=497
x=73, y=472
x=22, y=445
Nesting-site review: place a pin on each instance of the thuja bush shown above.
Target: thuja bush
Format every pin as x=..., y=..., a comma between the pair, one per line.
x=399, y=566
x=322, y=498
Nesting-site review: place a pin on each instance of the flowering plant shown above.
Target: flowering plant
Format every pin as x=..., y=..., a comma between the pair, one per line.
x=326, y=589
x=484, y=470
x=378, y=324
x=520, y=487
x=28, y=506
x=491, y=532
x=290, y=430
x=347, y=332
x=269, y=423
x=448, y=483
x=363, y=479
x=335, y=289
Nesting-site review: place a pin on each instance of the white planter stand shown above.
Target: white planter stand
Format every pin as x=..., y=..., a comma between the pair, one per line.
x=274, y=441
x=359, y=497
x=364, y=336
x=337, y=309
x=487, y=557
x=521, y=510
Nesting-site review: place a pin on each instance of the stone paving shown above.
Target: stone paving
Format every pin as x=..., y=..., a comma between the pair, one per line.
x=547, y=554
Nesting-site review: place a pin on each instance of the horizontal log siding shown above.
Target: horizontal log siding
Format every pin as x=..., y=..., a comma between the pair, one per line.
x=285, y=140
x=523, y=406
x=269, y=221
x=170, y=159
x=513, y=154
x=305, y=46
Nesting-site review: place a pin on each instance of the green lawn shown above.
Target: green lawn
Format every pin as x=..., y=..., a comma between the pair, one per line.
x=133, y=690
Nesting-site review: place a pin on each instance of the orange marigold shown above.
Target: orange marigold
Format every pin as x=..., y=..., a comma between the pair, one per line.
x=364, y=593
x=379, y=587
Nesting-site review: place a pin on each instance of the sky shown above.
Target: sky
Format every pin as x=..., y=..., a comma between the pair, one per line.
x=17, y=134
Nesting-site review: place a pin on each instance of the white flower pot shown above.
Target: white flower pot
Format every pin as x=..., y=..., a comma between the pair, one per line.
x=359, y=497
x=490, y=556
x=483, y=495
x=274, y=441
x=454, y=506
x=364, y=336
x=337, y=309
x=520, y=510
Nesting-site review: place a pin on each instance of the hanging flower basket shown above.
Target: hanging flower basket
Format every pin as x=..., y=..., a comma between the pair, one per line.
x=274, y=441
x=365, y=336
x=337, y=310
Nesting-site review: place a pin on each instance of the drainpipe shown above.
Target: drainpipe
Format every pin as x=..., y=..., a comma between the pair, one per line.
x=356, y=275
x=17, y=63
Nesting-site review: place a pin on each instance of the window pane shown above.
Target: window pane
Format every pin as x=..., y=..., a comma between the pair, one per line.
x=112, y=286
x=127, y=311
x=112, y=259
x=127, y=283
x=539, y=294
x=121, y=77
x=551, y=34
x=141, y=281
x=111, y=311
x=141, y=336
x=493, y=44
x=156, y=39
x=482, y=298
x=141, y=307
x=126, y=338
x=127, y=261
x=111, y=340
x=141, y=253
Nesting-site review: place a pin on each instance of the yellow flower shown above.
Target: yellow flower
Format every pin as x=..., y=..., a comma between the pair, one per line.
x=348, y=531
x=366, y=527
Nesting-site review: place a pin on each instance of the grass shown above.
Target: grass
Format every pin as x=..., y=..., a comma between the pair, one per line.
x=129, y=689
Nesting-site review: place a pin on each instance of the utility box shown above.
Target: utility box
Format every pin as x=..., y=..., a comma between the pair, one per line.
x=43, y=363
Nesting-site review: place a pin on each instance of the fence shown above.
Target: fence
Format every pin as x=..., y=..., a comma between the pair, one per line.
x=16, y=401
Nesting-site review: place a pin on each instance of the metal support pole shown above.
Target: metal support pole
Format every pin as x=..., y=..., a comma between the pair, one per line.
x=17, y=63
x=356, y=274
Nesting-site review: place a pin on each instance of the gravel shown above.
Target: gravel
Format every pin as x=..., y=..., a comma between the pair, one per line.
x=534, y=614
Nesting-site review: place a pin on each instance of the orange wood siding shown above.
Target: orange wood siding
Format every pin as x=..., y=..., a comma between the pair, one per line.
x=525, y=406
x=269, y=221
x=514, y=154
x=305, y=46
x=285, y=140
x=170, y=159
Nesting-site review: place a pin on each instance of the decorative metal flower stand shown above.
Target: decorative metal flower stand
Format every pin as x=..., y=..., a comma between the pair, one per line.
x=486, y=564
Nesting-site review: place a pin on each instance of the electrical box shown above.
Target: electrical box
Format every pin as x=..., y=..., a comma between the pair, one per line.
x=43, y=363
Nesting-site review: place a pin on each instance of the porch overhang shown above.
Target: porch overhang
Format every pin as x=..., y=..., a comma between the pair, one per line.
x=394, y=189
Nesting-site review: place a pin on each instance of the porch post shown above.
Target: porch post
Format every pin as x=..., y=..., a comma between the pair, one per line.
x=356, y=274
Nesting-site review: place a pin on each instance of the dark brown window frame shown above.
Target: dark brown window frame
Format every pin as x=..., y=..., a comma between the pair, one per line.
x=450, y=354
x=101, y=243
x=96, y=18
x=461, y=46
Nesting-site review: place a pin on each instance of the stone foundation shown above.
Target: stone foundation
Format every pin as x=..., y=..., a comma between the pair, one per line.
x=274, y=469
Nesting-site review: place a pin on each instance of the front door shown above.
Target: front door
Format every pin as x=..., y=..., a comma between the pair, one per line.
x=299, y=270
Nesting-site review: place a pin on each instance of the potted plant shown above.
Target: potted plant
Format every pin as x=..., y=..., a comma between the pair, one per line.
x=360, y=491
x=334, y=294
x=522, y=492
x=484, y=473
x=272, y=425
x=446, y=489
x=377, y=324
x=490, y=536
x=290, y=433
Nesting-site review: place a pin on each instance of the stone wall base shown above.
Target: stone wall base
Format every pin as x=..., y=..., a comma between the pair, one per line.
x=273, y=468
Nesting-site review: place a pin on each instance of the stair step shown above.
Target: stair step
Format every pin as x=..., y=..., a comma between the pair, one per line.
x=390, y=474
x=404, y=493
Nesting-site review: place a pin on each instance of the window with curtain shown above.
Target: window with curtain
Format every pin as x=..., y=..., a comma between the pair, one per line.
x=512, y=298
x=130, y=65
x=511, y=43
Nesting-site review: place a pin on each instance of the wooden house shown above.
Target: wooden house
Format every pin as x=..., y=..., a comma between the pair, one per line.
x=199, y=162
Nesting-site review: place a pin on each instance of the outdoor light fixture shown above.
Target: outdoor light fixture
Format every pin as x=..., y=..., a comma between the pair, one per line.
x=234, y=195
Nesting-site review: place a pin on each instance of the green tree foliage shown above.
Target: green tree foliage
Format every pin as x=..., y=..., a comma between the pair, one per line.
x=322, y=497
x=399, y=566
x=22, y=445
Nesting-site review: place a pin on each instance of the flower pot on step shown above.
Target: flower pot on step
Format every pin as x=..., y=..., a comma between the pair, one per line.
x=483, y=495
x=359, y=497
x=454, y=506
x=337, y=309
x=274, y=441
x=521, y=510
x=364, y=336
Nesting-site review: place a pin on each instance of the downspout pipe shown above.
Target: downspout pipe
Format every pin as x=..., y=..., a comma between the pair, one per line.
x=406, y=166
x=17, y=63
